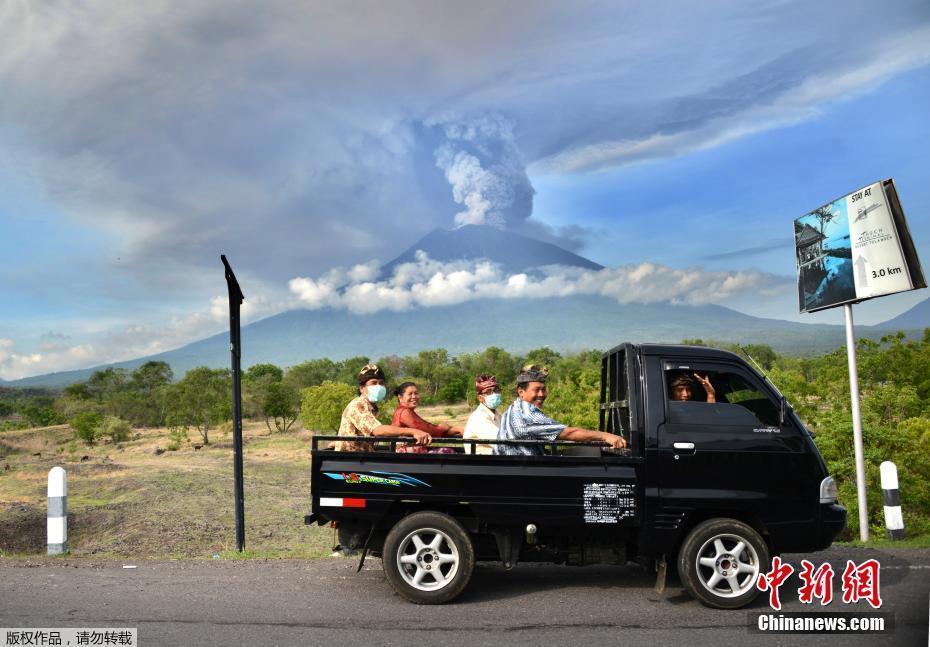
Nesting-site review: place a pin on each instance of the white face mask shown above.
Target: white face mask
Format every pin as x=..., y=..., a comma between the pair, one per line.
x=492, y=400
x=376, y=392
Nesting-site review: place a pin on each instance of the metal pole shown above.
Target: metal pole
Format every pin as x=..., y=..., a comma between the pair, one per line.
x=235, y=349
x=857, y=424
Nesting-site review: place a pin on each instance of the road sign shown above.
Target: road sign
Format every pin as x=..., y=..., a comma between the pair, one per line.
x=855, y=248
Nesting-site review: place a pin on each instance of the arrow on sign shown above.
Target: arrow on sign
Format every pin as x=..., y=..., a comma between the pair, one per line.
x=863, y=274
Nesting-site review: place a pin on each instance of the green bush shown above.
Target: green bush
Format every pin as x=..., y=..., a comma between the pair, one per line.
x=177, y=436
x=321, y=406
x=85, y=426
x=116, y=429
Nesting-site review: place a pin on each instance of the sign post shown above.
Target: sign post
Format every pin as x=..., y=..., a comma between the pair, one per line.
x=235, y=348
x=857, y=424
x=855, y=248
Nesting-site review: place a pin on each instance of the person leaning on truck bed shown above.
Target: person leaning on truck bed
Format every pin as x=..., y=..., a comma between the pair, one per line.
x=484, y=422
x=359, y=418
x=408, y=398
x=682, y=385
x=524, y=419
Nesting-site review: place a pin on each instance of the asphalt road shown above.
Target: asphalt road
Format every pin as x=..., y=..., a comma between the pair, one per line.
x=325, y=602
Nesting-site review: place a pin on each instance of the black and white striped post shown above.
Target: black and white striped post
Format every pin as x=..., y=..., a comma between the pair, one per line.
x=57, y=511
x=894, y=519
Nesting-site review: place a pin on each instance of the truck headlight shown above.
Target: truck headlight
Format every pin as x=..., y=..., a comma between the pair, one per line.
x=828, y=490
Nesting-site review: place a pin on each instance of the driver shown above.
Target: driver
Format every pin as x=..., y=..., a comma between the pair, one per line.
x=682, y=385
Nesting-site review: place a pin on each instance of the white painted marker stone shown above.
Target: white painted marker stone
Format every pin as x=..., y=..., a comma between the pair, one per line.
x=894, y=519
x=57, y=511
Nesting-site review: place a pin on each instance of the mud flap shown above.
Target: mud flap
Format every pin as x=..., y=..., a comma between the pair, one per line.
x=361, y=561
x=509, y=543
x=661, y=572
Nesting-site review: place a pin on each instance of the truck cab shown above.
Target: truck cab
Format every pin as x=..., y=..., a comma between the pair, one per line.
x=715, y=485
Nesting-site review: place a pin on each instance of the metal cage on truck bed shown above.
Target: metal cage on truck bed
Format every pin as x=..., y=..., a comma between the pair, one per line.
x=618, y=373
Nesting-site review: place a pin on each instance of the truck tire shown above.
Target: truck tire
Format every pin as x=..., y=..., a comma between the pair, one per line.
x=428, y=557
x=720, y=562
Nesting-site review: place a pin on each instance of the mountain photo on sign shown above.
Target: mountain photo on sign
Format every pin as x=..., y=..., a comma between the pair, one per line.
x=825, y=268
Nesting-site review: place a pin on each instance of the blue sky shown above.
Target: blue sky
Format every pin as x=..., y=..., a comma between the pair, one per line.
x=137, y=144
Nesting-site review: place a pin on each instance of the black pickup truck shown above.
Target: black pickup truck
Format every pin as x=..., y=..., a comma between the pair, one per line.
x=715, y=489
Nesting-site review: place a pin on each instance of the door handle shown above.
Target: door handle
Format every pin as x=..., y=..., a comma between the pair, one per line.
x=684, y=446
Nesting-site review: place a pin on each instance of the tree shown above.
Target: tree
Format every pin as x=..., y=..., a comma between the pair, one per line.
x=545, y=356
x=259, y=371
x=282, y=404
x=201, y=399
x=493, y=360
x=39, y=412
x=151, y=376
x=348, y=369
x=85, y=426
x=321, y=406
x=312, y=373
x=824, y=215
x=429, y=365
x=103, y=384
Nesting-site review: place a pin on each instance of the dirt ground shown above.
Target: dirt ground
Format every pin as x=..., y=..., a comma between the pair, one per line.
x=130, y=500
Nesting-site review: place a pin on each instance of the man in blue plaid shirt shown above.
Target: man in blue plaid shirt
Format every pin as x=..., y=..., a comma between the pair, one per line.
x=524, y=419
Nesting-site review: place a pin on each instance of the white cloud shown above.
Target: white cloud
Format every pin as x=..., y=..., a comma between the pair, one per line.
x=428, y=283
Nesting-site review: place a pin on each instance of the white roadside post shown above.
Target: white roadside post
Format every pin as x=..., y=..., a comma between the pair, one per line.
x=57, y=511
x=894, y=519
x=857, y=424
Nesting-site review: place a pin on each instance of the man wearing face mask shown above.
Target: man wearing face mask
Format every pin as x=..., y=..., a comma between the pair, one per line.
x=359, y=418
x=485, y=420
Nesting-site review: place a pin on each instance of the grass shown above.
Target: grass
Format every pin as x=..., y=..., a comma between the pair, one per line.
x=125, y=500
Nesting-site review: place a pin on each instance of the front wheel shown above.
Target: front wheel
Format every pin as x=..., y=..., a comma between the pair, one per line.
x=428, y=557
x=720, y=562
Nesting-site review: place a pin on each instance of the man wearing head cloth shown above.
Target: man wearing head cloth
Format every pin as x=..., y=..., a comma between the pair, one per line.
x=359, y=418
x=484, y=421
x=524, y=419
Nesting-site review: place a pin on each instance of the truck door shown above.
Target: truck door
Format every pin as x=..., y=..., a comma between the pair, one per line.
x=733, y=454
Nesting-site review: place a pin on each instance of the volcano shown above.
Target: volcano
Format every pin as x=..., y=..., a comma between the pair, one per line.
x=513, y=252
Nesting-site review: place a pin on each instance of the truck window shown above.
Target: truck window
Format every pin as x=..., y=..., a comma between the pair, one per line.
x=738, y=400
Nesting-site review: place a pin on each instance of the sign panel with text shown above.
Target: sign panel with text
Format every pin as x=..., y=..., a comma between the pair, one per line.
x=855, y=248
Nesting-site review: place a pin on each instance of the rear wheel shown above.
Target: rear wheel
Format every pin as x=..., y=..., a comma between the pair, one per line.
x=720, y=562
x=428, y=557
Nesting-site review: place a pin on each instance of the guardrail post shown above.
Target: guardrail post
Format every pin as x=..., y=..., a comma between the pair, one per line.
x=57, y=511
x=894, y=519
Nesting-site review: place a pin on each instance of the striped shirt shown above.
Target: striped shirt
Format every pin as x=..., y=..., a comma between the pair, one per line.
x=525, y=421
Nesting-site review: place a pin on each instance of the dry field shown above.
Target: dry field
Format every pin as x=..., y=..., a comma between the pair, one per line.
x=125, y=500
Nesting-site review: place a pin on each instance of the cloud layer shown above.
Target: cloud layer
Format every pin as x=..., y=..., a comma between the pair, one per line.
x=422, y=284
x=427, y=283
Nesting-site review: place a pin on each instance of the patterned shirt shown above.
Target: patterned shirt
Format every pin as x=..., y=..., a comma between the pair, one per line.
x=525, y=421
x=358, y=419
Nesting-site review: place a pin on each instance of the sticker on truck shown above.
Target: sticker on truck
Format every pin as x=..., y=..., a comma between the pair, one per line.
x=377, y=478
x=609, y=502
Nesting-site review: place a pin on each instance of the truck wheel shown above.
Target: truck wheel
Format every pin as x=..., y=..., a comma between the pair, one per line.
x=428, y=557
x=720, y=561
